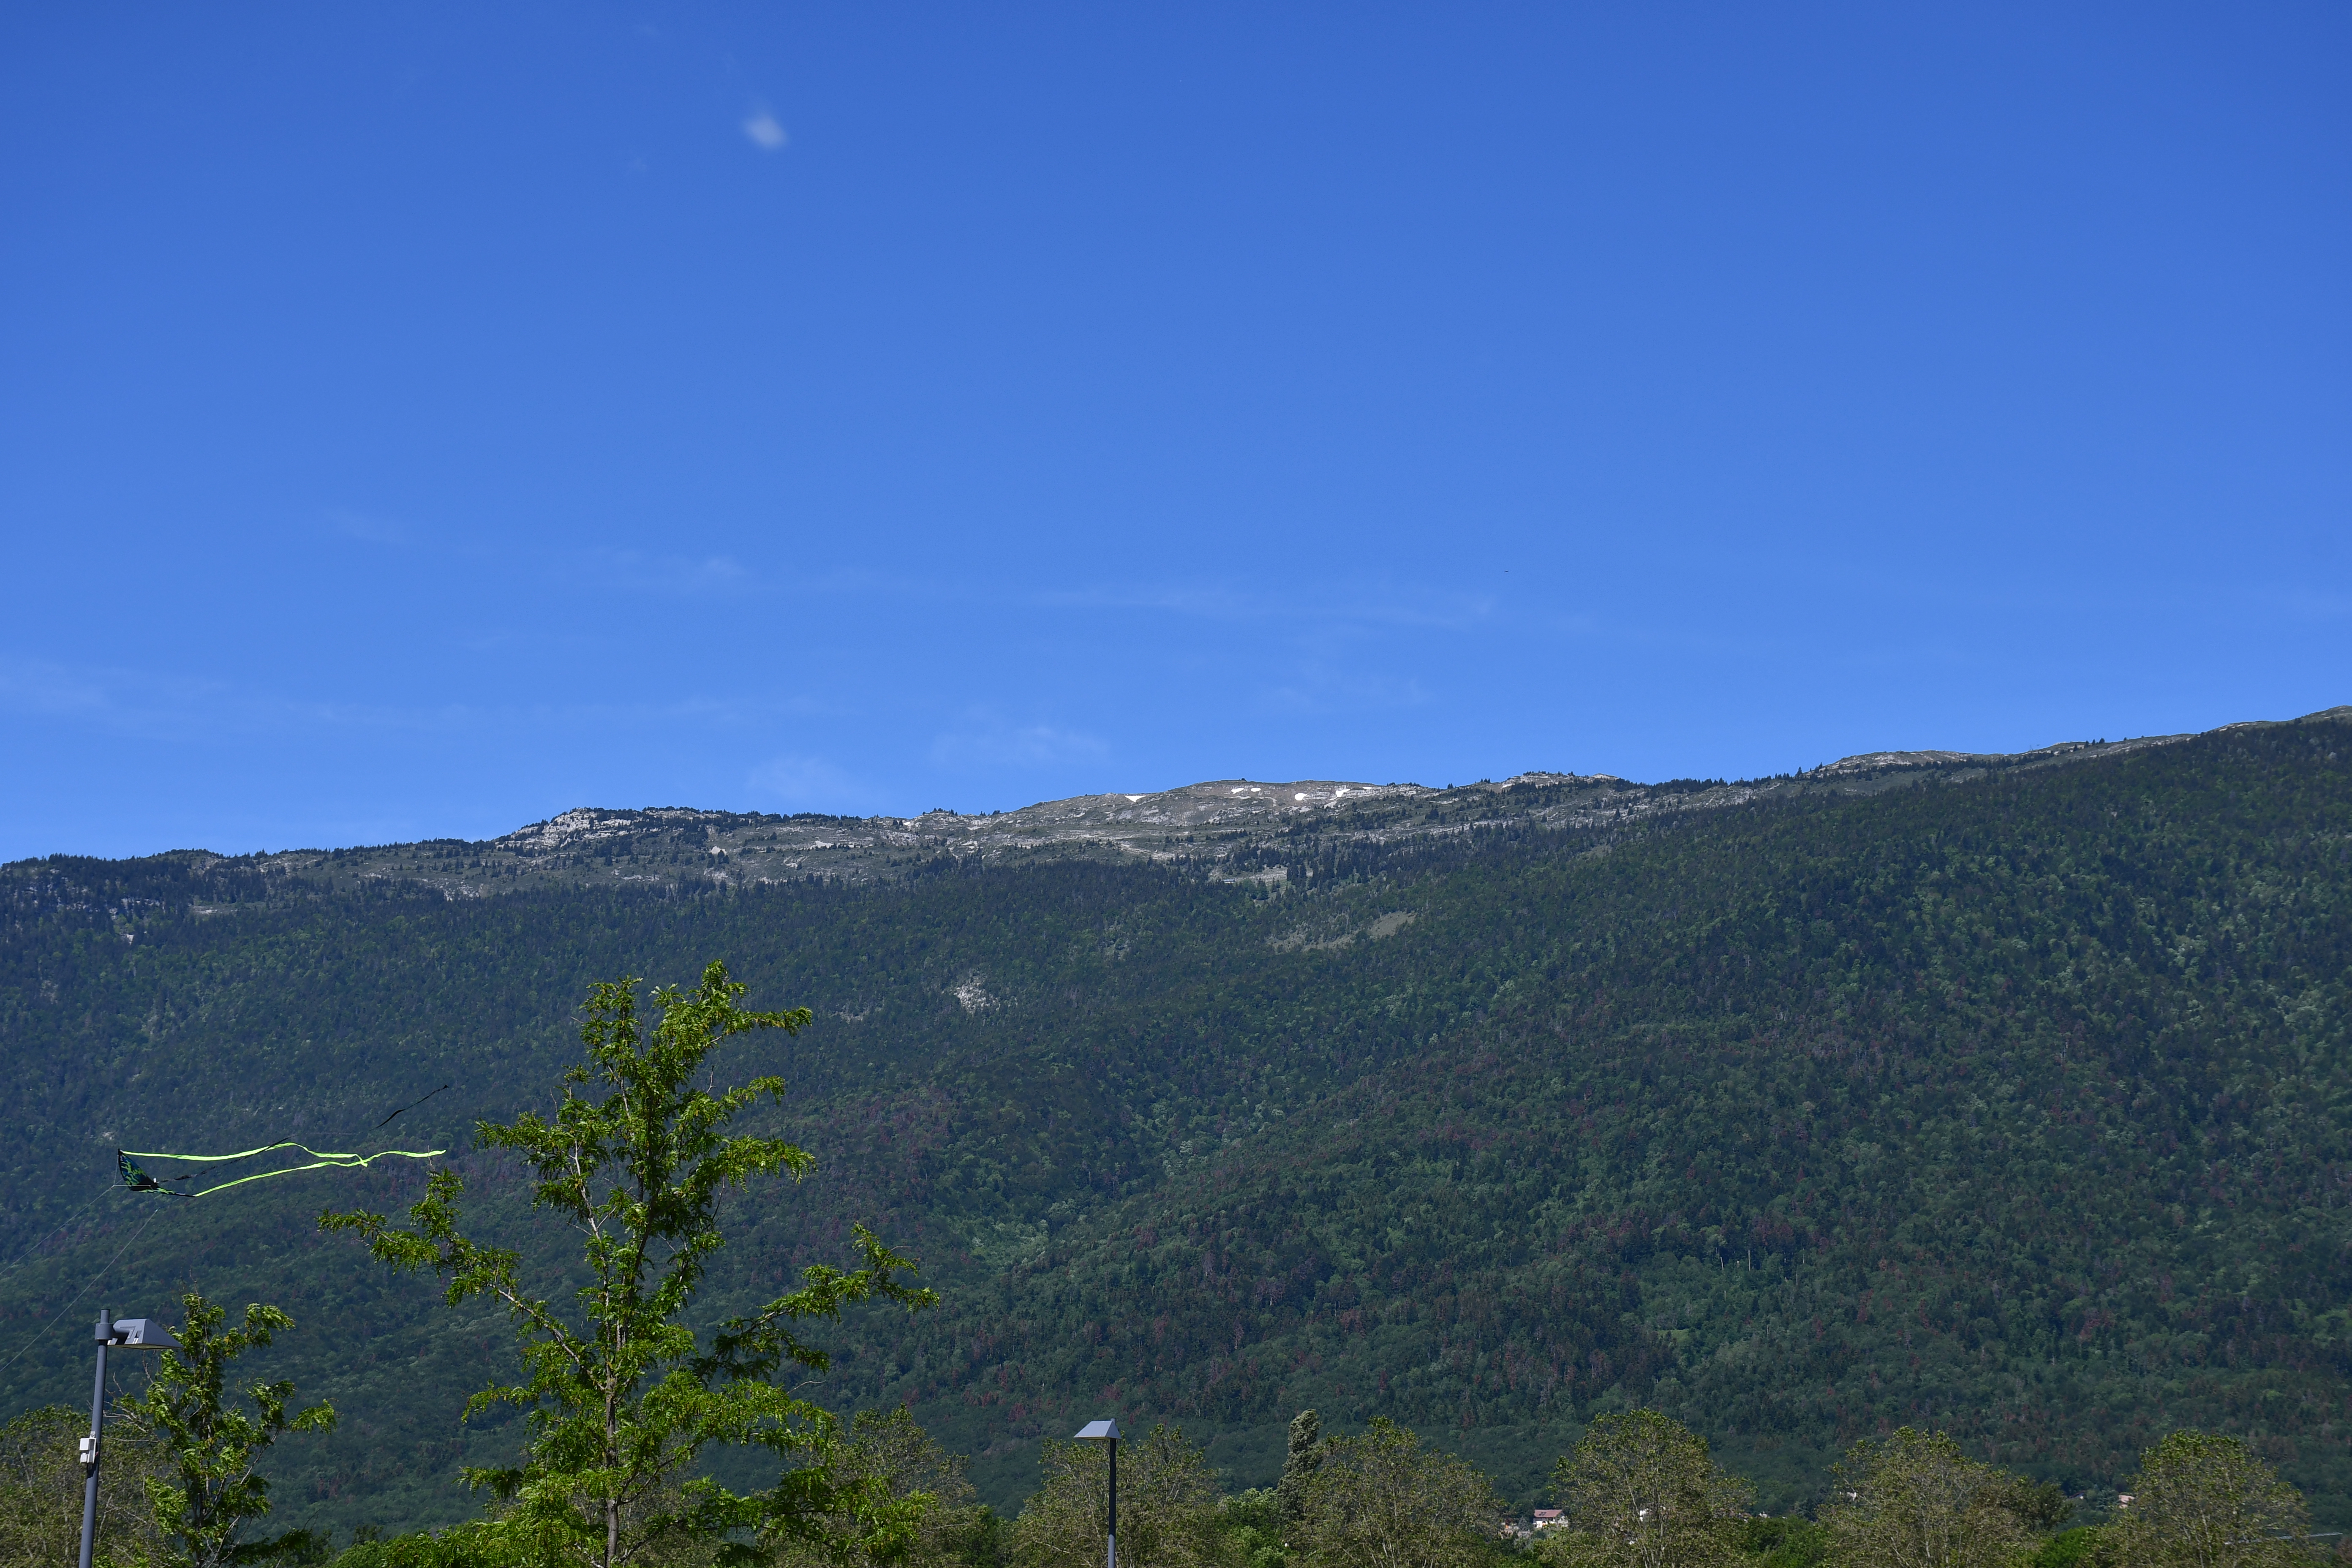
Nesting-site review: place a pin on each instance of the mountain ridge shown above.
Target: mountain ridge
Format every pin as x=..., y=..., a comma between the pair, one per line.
x=1204, y=824
x=2016, y=1103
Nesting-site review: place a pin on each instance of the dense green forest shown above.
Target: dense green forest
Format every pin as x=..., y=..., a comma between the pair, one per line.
x=2016, y=1107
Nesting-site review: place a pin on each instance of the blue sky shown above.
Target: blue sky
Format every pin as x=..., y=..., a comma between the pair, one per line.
x=417, y=420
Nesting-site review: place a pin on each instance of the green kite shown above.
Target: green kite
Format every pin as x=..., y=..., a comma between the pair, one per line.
x=139, y=1180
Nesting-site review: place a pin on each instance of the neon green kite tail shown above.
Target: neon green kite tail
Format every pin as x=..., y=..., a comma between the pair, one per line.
x=139, y=1180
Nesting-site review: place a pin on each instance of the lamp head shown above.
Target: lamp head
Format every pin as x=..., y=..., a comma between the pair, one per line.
x=1099, y=1432
x=139, y=1334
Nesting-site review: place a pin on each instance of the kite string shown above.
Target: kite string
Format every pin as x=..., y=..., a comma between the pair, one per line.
x=47, y=1231
x=78, y=1295
x=409, y=1106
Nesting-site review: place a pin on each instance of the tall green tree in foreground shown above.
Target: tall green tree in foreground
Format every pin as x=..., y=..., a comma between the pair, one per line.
x=1384, y=1500
x=622, y=1404
x=211, y=1494
x=1640, y=1490
x=1167, y=1507
x=1915, y=1500
x=2205, y=1501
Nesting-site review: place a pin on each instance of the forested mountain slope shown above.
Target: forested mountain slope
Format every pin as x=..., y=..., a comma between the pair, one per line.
x=2015, y=1102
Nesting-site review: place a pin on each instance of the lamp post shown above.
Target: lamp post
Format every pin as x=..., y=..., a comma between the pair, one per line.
x=128, y=1334
x=1104, y=1432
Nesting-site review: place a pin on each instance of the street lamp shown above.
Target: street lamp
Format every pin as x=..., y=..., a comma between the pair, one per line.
x=1105, y=1431
x=124, y=1333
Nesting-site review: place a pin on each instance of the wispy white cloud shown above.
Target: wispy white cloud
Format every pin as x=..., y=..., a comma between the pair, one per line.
x=1367, y=603
x=624, y=566
x=985, y=741
x=803, y=783
x=1316, y=649
x=1329, y=607
x=118, y=699
x=1321, y=689
x=407, y=536
x=762, y=130
x=173, y=707
x=712, y=571
x=686, y=575
x=372, y=529
x=2315, y=603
